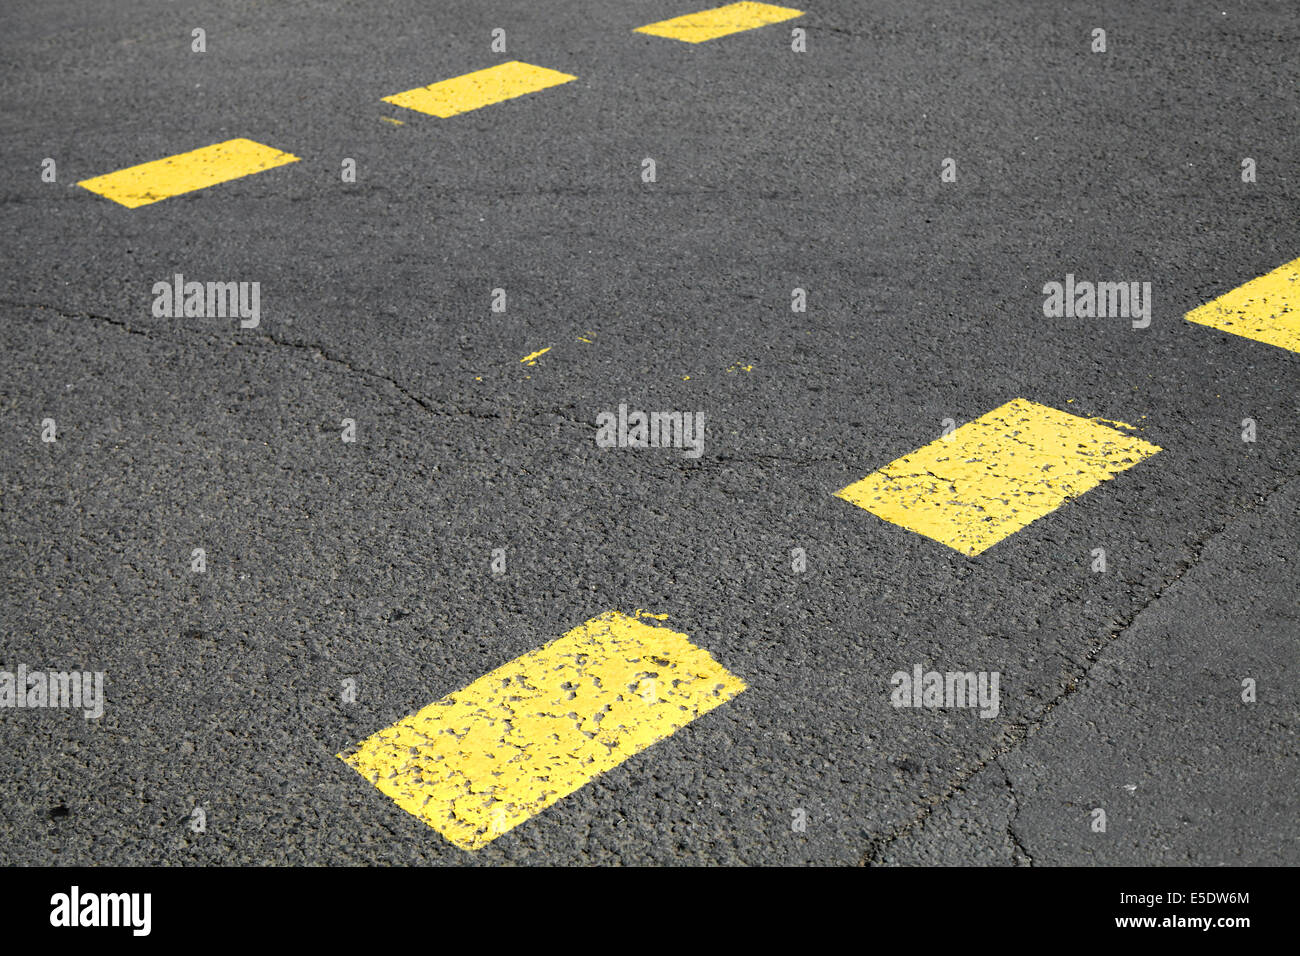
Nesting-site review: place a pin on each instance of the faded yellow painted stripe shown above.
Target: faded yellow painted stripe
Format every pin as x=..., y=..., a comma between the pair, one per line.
x=185, y=172
x=531, y=358
x=720, y=22
x=994, y=475
x=1266, y=309
x=478, y=89
x=483, y=760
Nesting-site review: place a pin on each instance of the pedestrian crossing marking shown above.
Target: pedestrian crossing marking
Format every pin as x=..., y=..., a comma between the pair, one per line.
x=720, y=22
x=505, y=81
x=993, y=476
x=186, y=172
x=484, y=759
x=1266, y=309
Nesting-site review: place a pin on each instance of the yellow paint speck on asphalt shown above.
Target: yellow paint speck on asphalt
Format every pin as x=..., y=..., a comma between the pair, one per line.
x=994, y=475
x=1266, y=309
x=720, y=22
x=484, y=759
x=186, y=172
x=531, y=359
x=495, y=84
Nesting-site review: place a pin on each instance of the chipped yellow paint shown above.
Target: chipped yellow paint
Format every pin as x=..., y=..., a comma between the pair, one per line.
x=581, y=339
x=658, y=617
x=395, y=122
x=532, y=358
x=1113, y=423
x=505, y=81
x=517, y=740
x=1266, y=309
x=186, y=172
x=993, y=476
x=719, y=22
x=741, y=368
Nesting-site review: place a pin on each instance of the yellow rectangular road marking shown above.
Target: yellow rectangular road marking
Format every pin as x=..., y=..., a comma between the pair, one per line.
x=1266, y=309
x=185, y=172
x=480, y=88
x=711, y=24
x=484, y=759
x=994, y=475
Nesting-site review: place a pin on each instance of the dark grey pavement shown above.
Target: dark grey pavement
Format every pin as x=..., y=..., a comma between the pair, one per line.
x=820, y=170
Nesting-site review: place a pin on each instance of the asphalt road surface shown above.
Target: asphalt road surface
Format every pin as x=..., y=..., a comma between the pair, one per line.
x=346, y=584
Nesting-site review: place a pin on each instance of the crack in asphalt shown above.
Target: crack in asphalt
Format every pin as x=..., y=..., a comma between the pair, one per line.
x=1011, y=821
x=261, y=337
x=326, y=355
x=878, y=846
